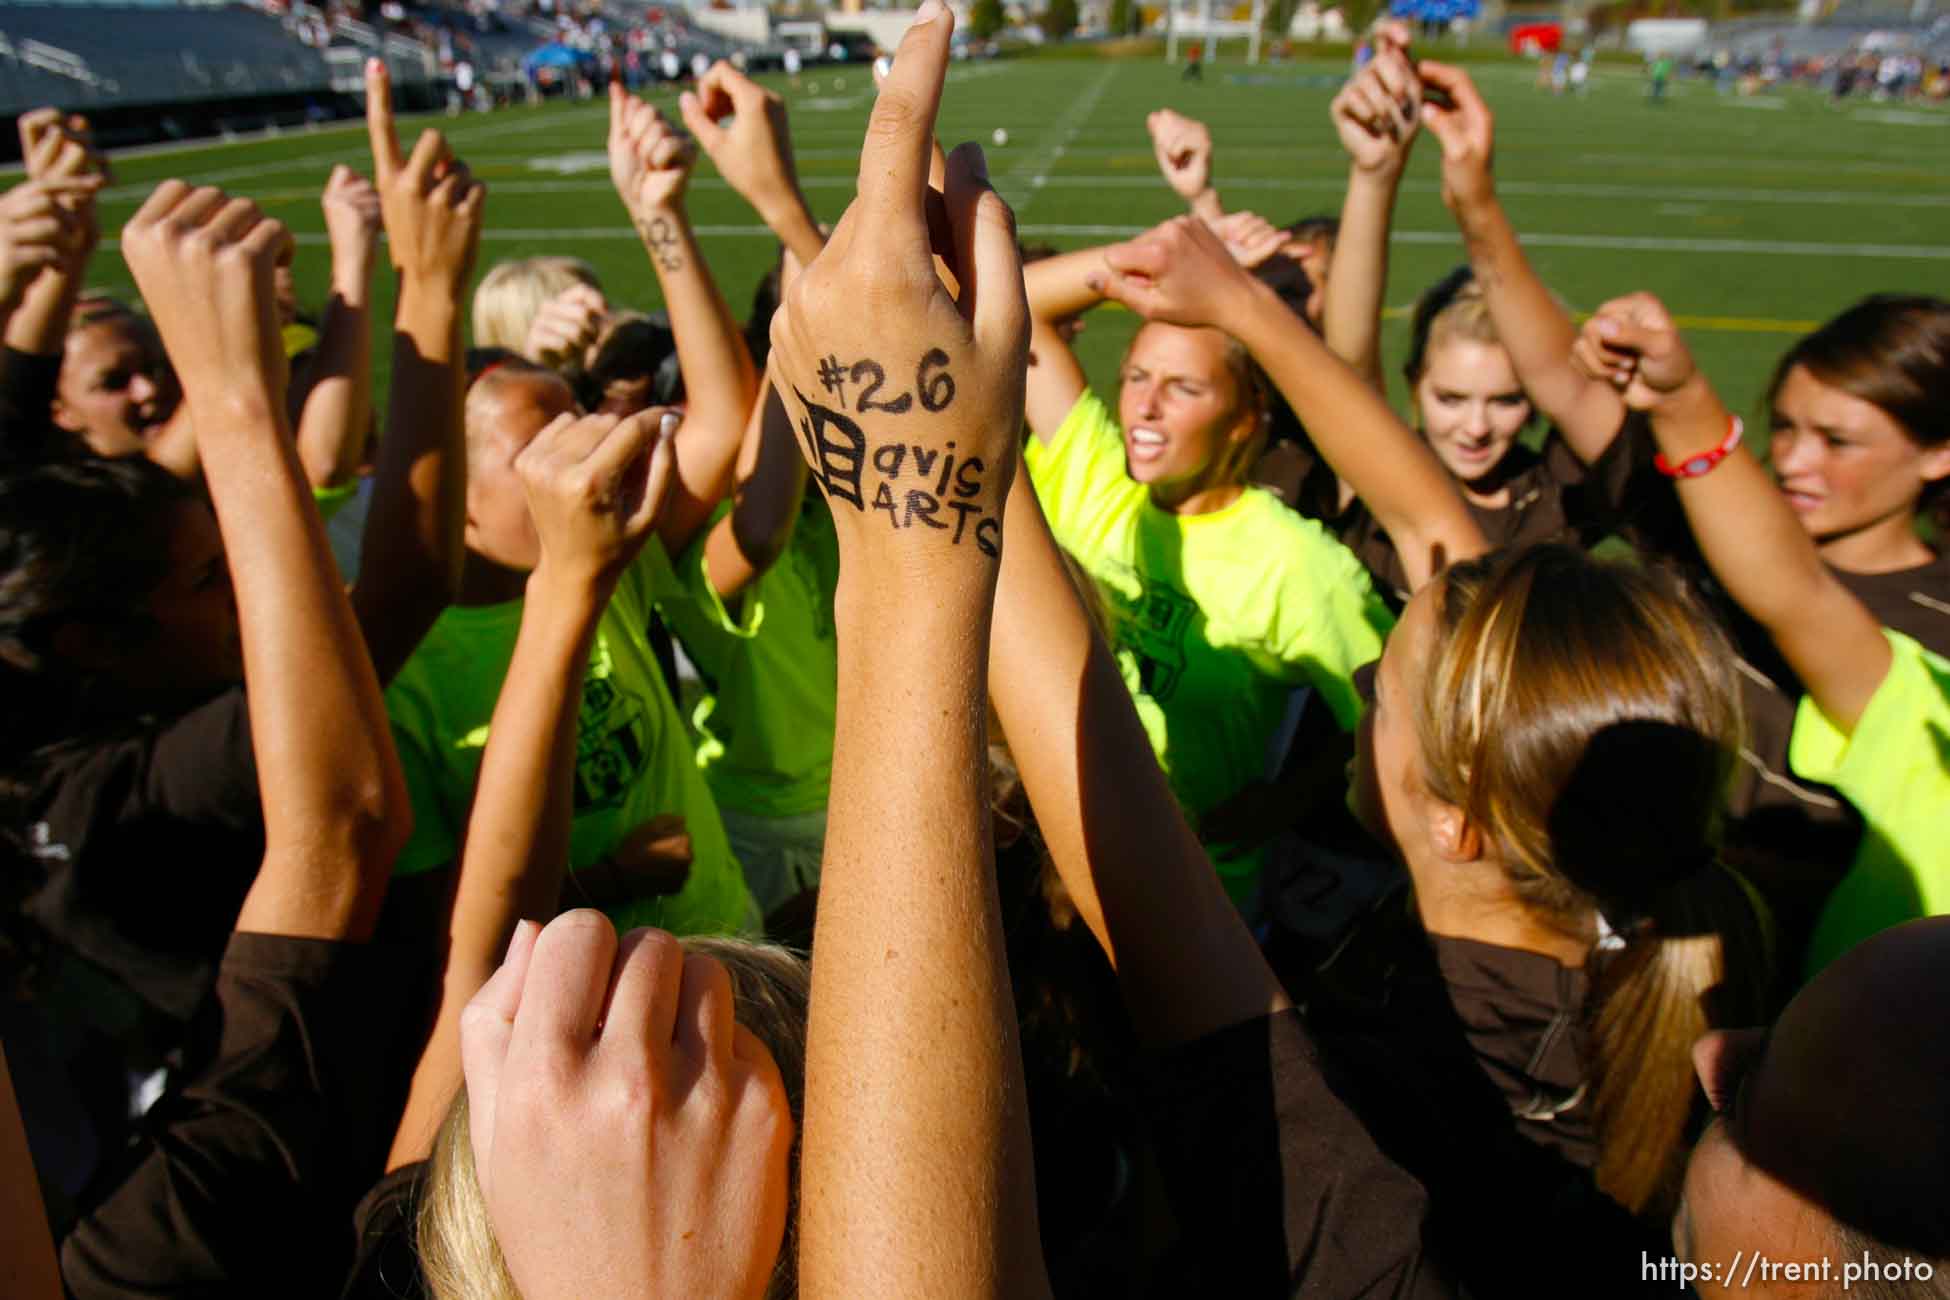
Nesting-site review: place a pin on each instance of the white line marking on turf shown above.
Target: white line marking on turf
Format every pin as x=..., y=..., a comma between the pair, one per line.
x=1655, y=244
x=1029, y=176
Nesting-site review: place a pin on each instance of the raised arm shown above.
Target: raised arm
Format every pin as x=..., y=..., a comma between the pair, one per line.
x=1751, y=539
x=1183, y=147
x=753, y=153
x=338, y=410
x=335, y=805
x=1058, y=287
x=765, y=501
x=414, y=545
x=594, y=487
x=65, y=172
x=1185, y=959
x=1376, y=114
x=1532, y=324
x=916, y=1177
x=651, y=163
x=1179, y=272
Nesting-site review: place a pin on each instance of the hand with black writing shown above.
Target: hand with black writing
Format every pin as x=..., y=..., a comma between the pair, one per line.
x=907, y=400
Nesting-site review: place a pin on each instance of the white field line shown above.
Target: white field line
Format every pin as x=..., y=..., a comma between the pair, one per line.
x=1039, y=179
x=1028, y=177
x=1651, y=244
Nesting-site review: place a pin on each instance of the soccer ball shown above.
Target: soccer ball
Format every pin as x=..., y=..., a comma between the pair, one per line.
x=1001, y=137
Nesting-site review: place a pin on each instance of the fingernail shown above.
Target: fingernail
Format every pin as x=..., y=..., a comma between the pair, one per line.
x=928, y=12
x=883, y=65
x=667, y=427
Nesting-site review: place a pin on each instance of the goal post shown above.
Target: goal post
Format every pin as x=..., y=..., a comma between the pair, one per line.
x=1200, y=22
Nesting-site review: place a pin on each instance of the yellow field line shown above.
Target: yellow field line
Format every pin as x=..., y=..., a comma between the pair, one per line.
x=1711, y=324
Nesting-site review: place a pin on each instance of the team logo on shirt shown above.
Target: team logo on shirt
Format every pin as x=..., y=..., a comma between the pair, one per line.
x=612, y=739
x=1153, y=625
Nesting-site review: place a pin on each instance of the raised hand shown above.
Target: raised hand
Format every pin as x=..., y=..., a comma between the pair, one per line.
x=567, y=327
x=909, y=401
x=203, y=262
x=627, y=1131
x=1378, y=112
x=1249, y=237
x=1467, y=130
x=595, y=485
x=1178, y=272
x=1183, y=148
x=650, y=162
x=54, y=144
x=1632, y=344
x=430, y=202
x=352, y=223
x=39, y=228
x=753, y=150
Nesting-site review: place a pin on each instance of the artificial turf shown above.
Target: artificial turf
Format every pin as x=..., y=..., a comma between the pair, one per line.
x=1752, y=218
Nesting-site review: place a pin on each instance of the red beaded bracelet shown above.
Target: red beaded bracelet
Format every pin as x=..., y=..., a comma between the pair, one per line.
x=1694, y=466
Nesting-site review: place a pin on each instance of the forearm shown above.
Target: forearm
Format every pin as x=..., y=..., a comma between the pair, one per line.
x=1139, y=879
x=1537, y=331
x=338, y=410
x=767, y=500
x=1060, y=286
x=719, y=378
x=1767, y=562
x=39, y=325
x=334, y=798
x=517, y=843
x=1358, y=285
x=1205, y=204
x=1388, y=467
x=414, y=544
x=787, y=216
x=913, y=1079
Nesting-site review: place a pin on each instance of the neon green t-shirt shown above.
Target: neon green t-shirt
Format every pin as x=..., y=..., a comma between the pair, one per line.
x=1895, y=769
x=1223, y=614
x=771, y=668
x=633, y=758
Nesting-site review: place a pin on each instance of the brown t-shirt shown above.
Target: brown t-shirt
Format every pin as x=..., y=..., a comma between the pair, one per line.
x=1280, y=1189
x=1554, y=496
x=148, y=839
x=245, y=1173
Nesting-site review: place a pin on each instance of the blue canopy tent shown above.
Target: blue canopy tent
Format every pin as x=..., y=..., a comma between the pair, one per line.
x=1435, y=11
x=557, y=55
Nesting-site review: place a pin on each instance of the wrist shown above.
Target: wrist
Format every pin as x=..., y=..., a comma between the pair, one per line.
x=1387, y=171
x=573, y=593
x=1689, y=420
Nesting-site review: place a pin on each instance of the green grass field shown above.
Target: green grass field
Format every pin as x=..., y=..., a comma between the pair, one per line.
x=1753, y=219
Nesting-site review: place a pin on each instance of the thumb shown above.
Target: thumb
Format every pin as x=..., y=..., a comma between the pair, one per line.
x=1137, y=294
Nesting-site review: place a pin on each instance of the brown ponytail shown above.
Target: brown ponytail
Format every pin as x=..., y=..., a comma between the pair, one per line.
x=1584, y=716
